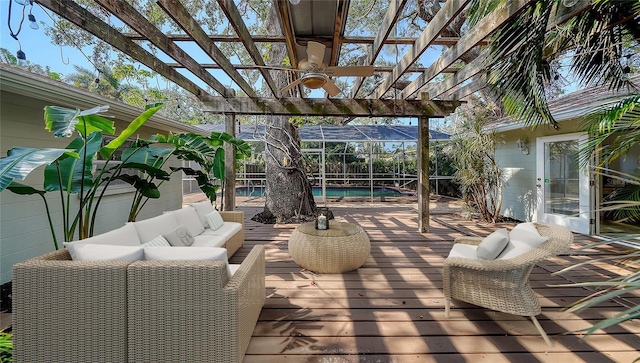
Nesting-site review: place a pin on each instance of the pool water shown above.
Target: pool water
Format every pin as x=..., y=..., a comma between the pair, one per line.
x=332, y=191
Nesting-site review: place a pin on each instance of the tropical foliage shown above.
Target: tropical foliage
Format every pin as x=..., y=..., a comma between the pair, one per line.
x=477, y=172
x=593, y=46
x=70, y=171
x=6, y=347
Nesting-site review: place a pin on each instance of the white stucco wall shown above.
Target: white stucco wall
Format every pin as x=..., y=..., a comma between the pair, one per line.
x=24, y=230
x=519, y=192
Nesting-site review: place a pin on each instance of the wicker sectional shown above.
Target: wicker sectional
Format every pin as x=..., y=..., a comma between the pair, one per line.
x=142, y=311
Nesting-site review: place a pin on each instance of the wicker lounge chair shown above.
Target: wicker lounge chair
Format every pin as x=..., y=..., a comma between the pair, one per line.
x=502, y=285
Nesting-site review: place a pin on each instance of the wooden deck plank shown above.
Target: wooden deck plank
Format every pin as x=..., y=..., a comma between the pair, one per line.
x=392, y=308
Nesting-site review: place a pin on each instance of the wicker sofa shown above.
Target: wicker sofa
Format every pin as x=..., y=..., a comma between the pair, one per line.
x=141, y=311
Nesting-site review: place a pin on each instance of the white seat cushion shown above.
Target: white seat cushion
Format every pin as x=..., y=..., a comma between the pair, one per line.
x=463, y=250
x=188, y=217
x=234, y=267
x=208, y=240
x=187, y=254
x=149, y=229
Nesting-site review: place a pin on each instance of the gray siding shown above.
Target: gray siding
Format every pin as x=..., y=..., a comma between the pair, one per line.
x=24, y=230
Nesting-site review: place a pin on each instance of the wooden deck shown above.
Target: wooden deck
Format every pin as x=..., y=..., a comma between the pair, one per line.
x=392, y=308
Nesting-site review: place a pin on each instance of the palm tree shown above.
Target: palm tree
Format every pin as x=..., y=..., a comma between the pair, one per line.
x=597, y=43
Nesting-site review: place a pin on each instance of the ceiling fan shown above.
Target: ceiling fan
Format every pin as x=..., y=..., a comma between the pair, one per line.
x=314, y=72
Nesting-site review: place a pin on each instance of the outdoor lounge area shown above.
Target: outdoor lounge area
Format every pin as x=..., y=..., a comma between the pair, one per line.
x=392, y=309
x=168, y=171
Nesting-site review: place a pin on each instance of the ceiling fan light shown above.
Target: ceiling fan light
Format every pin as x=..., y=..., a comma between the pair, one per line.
x=314, y=81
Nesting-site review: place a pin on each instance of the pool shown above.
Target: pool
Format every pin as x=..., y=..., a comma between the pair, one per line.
x=332, y=191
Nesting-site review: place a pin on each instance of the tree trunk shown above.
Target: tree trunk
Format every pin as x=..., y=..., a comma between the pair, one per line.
x=289, y=197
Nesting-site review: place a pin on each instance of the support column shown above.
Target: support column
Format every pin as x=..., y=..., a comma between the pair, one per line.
x=423, y=174
x=229, y=165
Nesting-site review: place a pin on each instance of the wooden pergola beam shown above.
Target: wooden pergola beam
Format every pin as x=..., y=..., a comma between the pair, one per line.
x=338, y=30
x=389, y=20
x=231, y=11
x=258, y=38
x=181, y=16
x=82, y=18
x=476, y=66
x=440, y=21
x=131, y=17
x=484, y=28
x=287, y=31
x=329, y=107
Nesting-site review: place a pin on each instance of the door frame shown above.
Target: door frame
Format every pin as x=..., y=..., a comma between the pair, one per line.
x=585, y=221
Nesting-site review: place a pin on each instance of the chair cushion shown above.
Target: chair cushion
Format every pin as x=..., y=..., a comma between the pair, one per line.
x=179, y=237
x=521, y=239
x=464, y=250
x=123, y=236
x=92, y=252
x=157, y=242
x=214, y=219
x=149, y=229
x=203, y=208
x=491, y=246
x=187, y=254
x=189, y=218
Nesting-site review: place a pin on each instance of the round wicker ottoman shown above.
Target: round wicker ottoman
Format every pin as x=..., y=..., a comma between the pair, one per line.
x=341, y=248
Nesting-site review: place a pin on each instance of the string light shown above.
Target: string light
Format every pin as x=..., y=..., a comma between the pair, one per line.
x=294, y=2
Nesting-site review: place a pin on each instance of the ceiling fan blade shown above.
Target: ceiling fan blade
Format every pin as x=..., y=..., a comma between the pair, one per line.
x=360, y=71
x=331, y=88
x=315, y=52
x=291, y=85
x=278, y=68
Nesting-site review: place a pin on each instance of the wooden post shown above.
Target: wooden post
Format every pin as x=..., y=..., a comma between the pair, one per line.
x=423, y=174
x=229, y=165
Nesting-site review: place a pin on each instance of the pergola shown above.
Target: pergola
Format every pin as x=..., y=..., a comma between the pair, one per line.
x=428, y=94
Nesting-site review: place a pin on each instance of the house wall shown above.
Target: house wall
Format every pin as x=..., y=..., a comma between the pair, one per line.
x=24, y=229
x=519, y=191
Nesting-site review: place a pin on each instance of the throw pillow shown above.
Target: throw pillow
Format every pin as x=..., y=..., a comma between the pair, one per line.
x=492, y=245
x=179, y=237
x=527, y=235
x=159, y=241
x=91, y=252
x=188, y=254
x=214, y=219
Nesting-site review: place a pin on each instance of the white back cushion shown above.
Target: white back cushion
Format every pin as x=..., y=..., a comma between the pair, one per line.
x=521, y=240
x=203, y=208
x=188, y=217
x=91, y=252
x=123, y=236
x=149, y=229
x=187, y=254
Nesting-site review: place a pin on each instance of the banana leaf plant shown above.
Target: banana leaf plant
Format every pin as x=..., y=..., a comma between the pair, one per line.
x=69, y=171
x=206, y=151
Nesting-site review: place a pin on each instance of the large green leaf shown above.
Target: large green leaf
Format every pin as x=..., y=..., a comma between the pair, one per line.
x=23, y=189
x=74, y=173
x=149, y=169
x=152, y=156
x=63, y=121
x=218, y=164
x=108, y=150
x=145, y=188
x=20, y=161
